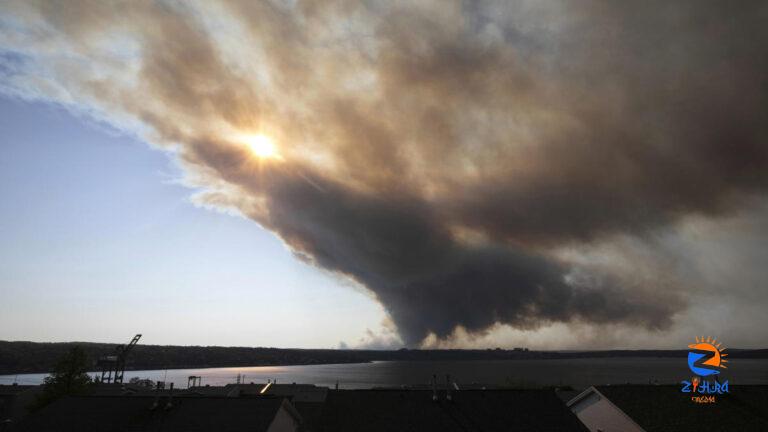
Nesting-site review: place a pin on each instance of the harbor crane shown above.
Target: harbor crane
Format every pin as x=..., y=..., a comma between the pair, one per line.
x=115, y=363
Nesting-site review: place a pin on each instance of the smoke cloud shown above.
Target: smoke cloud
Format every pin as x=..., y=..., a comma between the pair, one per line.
x=452, y=157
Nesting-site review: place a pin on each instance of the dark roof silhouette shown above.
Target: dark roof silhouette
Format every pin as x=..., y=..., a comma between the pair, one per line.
x=13, y=402
x=14, y=389
x=470, y=410
x=666, y=408
x=133, y=413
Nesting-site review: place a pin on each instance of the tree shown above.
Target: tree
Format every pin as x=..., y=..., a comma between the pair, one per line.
x=69, y=376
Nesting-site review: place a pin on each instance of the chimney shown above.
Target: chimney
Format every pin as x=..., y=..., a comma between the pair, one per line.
x=448, y=387
x=169, y=405
x=434, y=388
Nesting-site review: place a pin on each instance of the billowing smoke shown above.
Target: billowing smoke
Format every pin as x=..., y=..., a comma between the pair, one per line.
x=445, y=155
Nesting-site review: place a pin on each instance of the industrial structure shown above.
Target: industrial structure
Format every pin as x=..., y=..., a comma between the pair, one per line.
x=195, y=381
x=113, y=366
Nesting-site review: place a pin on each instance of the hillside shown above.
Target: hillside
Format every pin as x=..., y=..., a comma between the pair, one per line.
x=32, y=357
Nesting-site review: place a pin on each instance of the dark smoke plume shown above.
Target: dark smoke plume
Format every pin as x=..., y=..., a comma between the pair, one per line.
x=442, y=154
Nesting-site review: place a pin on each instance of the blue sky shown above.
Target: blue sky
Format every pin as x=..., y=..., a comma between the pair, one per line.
x=100, y=241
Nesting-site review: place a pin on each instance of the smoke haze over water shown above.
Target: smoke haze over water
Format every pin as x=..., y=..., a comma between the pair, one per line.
x=472, y=164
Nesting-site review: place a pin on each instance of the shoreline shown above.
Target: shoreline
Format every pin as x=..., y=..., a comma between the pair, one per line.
x=40, y=357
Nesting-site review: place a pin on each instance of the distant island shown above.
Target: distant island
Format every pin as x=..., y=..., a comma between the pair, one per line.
x=37, y=357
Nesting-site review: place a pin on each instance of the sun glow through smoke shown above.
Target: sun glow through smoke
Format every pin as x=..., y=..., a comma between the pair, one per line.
x=261, y=145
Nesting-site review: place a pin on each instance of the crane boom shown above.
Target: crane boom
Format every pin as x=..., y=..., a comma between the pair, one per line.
x=116, y=363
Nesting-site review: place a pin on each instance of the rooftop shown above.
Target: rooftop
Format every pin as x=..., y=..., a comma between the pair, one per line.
x=665, y=408
x=134, y=413
x=469, y=410
x=14, y=389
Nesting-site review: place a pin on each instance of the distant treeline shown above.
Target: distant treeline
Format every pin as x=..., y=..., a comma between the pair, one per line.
x=33, y=357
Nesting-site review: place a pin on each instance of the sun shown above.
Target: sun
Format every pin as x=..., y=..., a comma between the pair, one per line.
x=261, y=145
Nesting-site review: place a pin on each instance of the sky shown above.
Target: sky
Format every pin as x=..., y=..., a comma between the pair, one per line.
x=101, y=242
x=383, y=174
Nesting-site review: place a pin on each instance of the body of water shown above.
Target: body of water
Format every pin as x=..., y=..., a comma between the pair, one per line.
x=579, y=373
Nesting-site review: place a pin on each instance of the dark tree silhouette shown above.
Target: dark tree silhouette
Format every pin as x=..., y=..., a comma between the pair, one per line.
x=69, y=376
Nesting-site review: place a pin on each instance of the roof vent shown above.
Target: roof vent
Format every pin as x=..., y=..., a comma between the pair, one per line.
x=434, y=388
x=169, y=405
x=157, y=398
x=448, y=395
